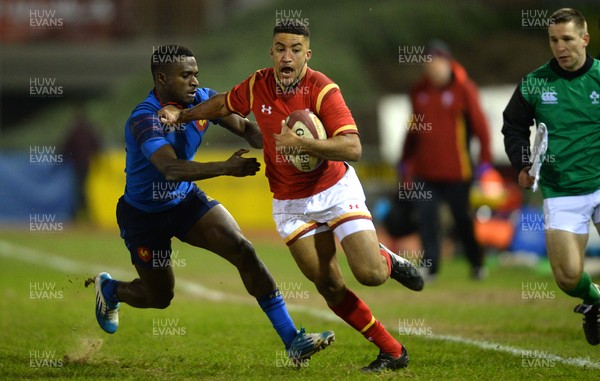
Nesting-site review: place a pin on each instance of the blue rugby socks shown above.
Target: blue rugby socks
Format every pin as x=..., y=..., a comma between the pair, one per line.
x=274, y=306
x=109, y=289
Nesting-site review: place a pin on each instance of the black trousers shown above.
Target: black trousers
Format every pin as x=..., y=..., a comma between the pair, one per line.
x=456, y=195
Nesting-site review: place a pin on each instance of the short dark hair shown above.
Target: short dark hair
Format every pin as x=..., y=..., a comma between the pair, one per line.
x=166, y=55
x=566, y=15
x=292, y=26
x=438, y=48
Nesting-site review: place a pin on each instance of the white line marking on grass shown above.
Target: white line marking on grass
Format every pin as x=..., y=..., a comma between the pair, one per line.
x=63, y=264
x=26, y=254
x=524, y=353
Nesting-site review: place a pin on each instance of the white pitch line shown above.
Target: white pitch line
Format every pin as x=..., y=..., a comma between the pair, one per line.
x=26, y=254
x=525, y=354
x=63, y=264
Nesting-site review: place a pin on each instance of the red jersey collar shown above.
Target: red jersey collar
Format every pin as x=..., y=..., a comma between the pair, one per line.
x=168, y=103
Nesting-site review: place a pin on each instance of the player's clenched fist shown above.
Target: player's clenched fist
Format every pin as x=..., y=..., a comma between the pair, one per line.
x=169, y=114
x=286, y=138
x=525, y=180
x=242, y=166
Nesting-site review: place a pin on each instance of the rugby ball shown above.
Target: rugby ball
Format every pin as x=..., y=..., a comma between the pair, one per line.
x=308, y=126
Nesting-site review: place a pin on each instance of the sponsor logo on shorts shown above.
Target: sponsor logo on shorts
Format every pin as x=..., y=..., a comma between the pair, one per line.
x=144, y=254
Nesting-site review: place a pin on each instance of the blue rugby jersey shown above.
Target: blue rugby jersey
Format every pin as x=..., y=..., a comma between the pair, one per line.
x=146, y=188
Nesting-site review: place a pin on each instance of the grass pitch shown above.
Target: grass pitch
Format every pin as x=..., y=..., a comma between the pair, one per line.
x=516, y=325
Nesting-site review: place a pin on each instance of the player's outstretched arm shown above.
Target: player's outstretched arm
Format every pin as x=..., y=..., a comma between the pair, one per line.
x=211, y=109
x=344, y=147
x=174, y=169
x=245, y=128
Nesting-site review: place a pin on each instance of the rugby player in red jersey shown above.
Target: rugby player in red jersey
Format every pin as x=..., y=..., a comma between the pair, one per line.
x=311, y=208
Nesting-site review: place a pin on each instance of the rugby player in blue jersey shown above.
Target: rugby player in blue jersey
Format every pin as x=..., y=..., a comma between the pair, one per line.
x=162, y=201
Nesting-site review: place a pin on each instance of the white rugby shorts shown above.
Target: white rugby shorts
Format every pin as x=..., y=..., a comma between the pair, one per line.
x=341, y=208
x=572, y=213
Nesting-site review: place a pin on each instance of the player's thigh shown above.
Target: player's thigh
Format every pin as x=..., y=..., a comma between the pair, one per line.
x=362, y=251
x=146, y=236
x=566, y=251
x=567, y=221
x=361, y=246
x=218, y=232
x=316, y=258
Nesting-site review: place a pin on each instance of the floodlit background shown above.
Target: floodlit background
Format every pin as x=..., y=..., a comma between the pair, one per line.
x=71, y=71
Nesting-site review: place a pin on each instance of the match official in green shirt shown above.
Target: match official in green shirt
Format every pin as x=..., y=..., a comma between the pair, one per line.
x=564, y=94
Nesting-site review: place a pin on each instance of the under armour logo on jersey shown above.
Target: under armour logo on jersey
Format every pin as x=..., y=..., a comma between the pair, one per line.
x=549, y=97
x=594, y=96
x=266, y=110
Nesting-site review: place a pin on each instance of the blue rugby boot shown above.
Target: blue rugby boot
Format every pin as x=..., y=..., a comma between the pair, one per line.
x=107, y=312
x=307, y=344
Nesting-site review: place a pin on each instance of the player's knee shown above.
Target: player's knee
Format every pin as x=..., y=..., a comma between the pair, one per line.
x=245, y=255
x=330, y=290
x=162, y=301
x=246, y=248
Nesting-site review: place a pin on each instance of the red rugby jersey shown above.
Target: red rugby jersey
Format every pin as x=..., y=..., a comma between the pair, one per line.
x=261, y=95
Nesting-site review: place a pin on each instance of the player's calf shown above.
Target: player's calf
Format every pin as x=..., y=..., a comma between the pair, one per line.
x=257, y=279
x=369, y=276
x=160, y=301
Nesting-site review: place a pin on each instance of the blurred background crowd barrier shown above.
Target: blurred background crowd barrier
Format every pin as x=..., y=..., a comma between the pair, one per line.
x=85, y=63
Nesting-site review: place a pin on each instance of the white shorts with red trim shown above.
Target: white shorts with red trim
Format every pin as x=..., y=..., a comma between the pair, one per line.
x=340, y=208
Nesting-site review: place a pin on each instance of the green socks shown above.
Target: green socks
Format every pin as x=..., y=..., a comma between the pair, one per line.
x=585, y=290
